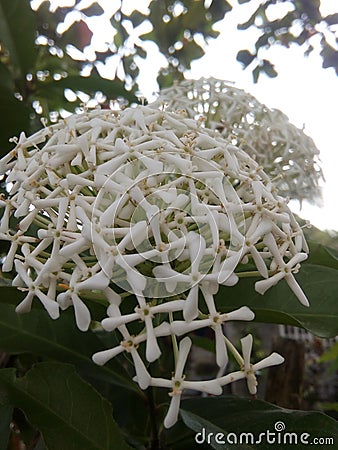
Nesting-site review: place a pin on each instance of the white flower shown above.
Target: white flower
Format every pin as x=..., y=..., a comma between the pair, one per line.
x=284, y=271
x=146, y=313
x=154, y=206
x=71, y=297
x=248, y=370
x=215, y=321
x=34, y=290
x=130, y=344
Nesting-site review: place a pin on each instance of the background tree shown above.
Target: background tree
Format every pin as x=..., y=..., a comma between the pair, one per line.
x=36, y=68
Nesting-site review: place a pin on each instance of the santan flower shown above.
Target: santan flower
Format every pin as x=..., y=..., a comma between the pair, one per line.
x=145, y=209
x=287, y=154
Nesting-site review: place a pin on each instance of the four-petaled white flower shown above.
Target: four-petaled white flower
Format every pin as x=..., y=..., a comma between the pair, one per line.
x=249, y=370
x=178, y=384
x=154, y=206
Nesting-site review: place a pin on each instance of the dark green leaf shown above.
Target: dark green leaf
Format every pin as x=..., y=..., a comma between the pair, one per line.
x=14, y=116
x=331, y=19
x=93, y=10
x=269, y=69
x=245, y=57
x=70, y=414
x=236, y=417
x=190, y=51
x=248, y=23
x=279, y=304
x=197, y=423
x=60, y=340
x=137, y=18
x=262, y=41
x=311, y=9
x=111, y=88
x=330, y=57
x=17, y=33
x=6, y=412
x=203, y=342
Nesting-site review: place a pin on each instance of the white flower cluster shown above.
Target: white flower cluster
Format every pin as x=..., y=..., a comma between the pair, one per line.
x=287, y=154
x=146, y=209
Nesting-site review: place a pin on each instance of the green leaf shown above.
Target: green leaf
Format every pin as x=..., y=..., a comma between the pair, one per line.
x=14, y=116
x=70, y=414
x=189, y=52
x=93, y=10
x=280, y=305
x=94, y=83
x=242, y=420
x=6, y=412
x=137, y=18
x=331, y=19
x=197, y=423
x=218, y=9
x=269, y=69
x=6, y=79
x=322, y=255
x=17, y=33
x=248, y=23
x=60, y=340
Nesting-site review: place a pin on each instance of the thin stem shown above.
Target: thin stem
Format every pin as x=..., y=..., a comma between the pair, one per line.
x=253, y=273
x=174, y=340
x=234, y=352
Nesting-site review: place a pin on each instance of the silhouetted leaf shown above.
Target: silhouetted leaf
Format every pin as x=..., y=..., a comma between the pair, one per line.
x=245, y=57
x=269, y=69
x=255, y=73
x=93, y=10
x=245, y=423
